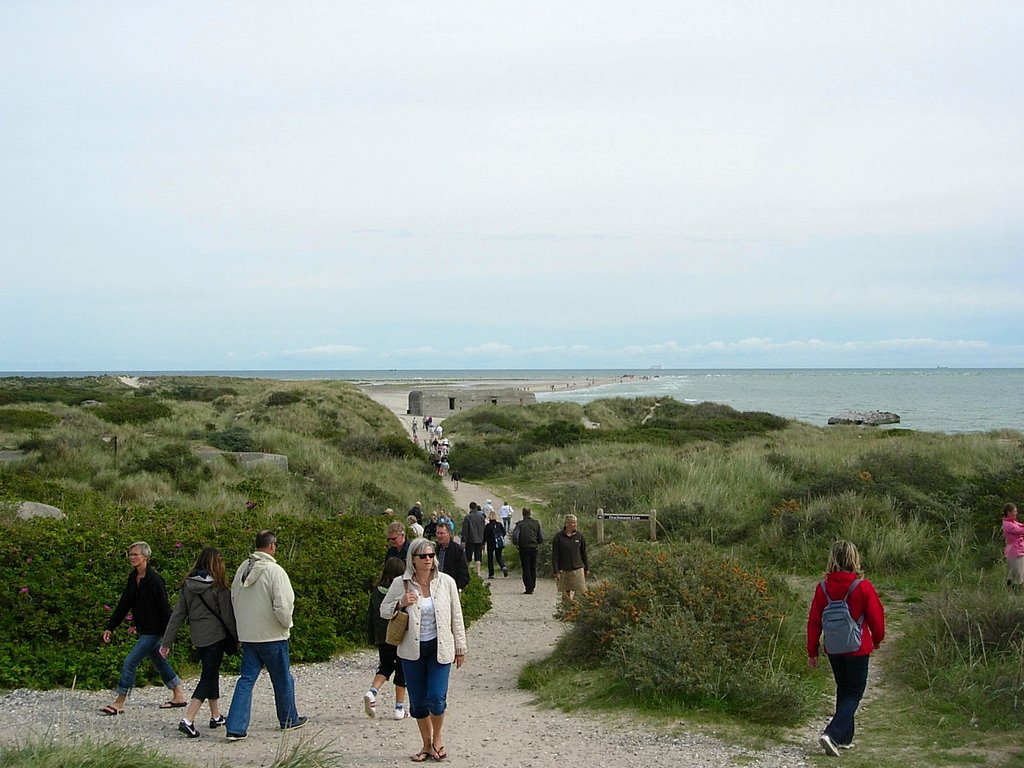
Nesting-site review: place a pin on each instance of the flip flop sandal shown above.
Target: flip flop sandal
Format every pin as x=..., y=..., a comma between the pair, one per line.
x=173, y=704
x=440, y=754
x=421, y=757
x=110, y=711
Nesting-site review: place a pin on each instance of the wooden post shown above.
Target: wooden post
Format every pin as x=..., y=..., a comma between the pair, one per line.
x=654, y=525
x=600, y=525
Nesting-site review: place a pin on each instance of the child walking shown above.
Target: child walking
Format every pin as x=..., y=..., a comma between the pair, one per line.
x=377, y=630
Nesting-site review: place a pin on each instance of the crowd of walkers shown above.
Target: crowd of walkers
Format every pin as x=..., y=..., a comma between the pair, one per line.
x=422, y=578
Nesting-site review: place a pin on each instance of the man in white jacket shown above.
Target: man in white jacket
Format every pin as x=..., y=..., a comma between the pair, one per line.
x=263, y=600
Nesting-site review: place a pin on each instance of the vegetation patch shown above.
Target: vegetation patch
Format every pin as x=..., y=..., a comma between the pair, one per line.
x=136, y=410
x=15, y=419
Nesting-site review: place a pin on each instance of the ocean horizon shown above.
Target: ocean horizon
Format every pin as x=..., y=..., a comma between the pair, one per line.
x=949, y=400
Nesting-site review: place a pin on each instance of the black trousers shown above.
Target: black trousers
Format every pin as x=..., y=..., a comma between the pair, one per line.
x=851, y=674
x=528, y=560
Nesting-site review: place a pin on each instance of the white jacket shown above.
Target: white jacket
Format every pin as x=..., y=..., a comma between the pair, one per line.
x=262, y=599
x=451, y=631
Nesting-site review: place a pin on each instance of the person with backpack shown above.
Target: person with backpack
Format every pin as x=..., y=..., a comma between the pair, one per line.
x=847, y=611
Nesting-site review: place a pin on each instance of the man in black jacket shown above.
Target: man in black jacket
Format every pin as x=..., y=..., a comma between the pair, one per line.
x=528, y=536
x=451, y=557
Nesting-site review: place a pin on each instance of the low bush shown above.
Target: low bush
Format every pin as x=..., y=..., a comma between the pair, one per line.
x=135, y=410
x=682, y=625
x=284, y=397
x=198, y=392
x=64, y=576
x=234, y=438
x=22, y=419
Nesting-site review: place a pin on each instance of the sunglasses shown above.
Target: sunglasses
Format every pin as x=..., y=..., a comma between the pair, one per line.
x=425, y=555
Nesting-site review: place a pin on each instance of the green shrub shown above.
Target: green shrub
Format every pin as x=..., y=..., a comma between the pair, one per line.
x=685, y=626
x=284, y=397
x=64, y=576
x=199, y=393
x=178, y=462
x=136, y=410
x=17, y=419
x=235, y=438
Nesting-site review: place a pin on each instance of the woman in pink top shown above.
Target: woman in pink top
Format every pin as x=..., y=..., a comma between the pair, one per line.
x=1013, y=532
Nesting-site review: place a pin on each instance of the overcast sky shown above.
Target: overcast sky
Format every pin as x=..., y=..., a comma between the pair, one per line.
x=352, y=185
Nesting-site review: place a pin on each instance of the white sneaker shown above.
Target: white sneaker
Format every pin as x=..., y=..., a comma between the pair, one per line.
x=370, y=703
x=828, y=745
x=400, y=714
x=851, y=745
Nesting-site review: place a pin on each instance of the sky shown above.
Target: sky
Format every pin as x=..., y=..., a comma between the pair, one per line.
x=481, y=185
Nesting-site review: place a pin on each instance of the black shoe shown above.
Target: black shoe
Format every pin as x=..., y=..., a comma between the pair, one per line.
x=188, y=729
x=504, y=572
x=217, y=722
x=236, y=736
x=528, y=592
x=294, y=726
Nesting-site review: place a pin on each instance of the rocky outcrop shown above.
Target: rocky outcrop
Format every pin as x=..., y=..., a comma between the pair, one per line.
x=865, y=418
x=28, y=510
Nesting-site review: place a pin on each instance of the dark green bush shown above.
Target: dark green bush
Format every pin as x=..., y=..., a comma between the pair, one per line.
x=135, y=410
x=17, y=419
x=234, y=438
x=199, y=393
x=14, y=389
x=63, y=577
x=177, y=461
x=370, y=446
x=284, y=397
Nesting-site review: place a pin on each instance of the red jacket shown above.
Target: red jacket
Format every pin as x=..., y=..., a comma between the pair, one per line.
x=863, y=602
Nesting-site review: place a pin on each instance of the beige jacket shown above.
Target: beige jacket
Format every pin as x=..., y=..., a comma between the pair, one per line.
x=263, y=600
x=451, y=631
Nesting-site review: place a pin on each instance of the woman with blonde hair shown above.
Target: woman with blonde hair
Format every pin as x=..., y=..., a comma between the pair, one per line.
x=434, y=639
x=844, y=582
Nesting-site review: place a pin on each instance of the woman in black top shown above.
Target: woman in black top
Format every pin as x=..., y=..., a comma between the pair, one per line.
x=145, y=597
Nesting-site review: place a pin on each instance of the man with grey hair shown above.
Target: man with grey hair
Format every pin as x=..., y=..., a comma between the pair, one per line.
x=263, y=601
x=569, y=560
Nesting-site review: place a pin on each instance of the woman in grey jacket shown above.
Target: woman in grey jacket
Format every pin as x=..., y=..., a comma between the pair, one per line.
x=435, y=638
x=205, y=601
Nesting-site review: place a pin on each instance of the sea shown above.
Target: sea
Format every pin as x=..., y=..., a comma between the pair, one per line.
x=951, y=400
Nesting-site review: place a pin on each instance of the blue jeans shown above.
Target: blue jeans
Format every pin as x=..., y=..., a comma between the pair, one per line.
x=255, y=656
x=146, y=645
x=426, y=680
x=851, y=674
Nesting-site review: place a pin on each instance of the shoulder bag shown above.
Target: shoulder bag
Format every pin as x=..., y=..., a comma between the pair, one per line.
x=397, y=625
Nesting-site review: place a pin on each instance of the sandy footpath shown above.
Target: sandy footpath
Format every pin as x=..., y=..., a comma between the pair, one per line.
x=490, y=721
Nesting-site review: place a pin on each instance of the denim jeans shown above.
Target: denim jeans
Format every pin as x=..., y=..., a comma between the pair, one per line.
x=146, y=645
x=210, y=658
x=255, y=656
x=851, y=674
x=426, y=680
x=528, y=561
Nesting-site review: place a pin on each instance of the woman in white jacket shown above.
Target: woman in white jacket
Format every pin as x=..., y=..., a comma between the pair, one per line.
x=436, y=637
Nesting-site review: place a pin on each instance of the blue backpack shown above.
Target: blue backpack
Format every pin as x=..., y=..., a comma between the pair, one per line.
x=842, y=633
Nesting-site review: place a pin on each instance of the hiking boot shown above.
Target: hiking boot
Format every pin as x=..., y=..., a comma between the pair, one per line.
x=370, y=703
x=189, y=729
x=828, y=745
x=294, y=726
x=217, y=722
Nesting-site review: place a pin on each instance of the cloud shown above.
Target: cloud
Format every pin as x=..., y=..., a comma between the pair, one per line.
x=324, y=351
